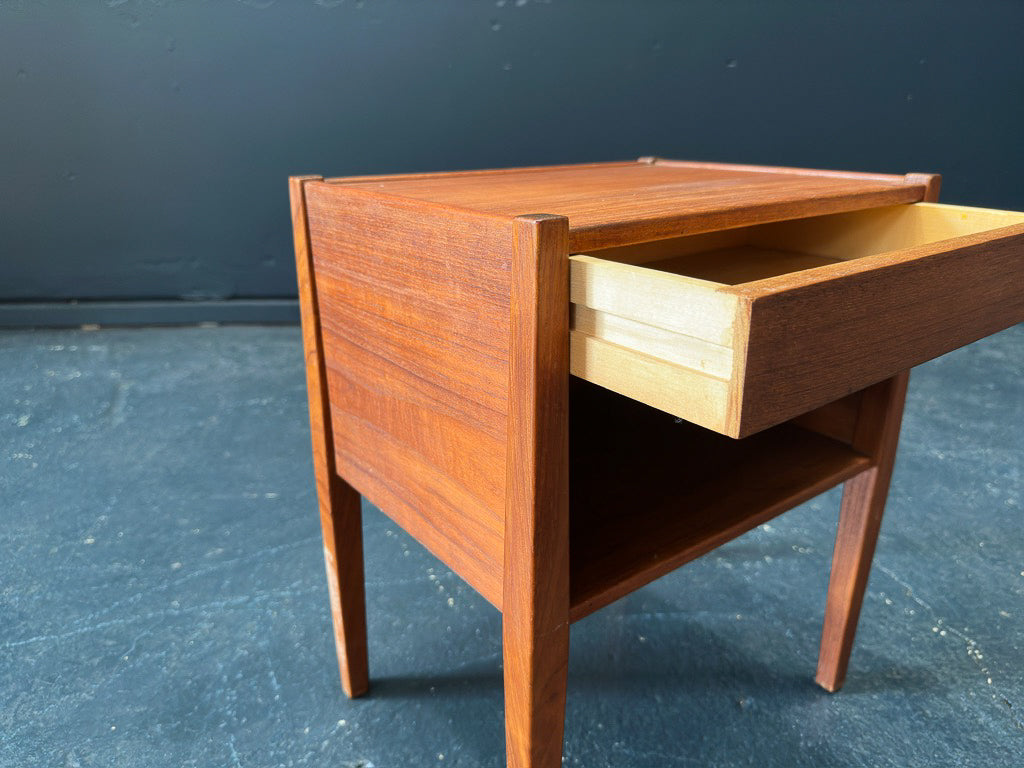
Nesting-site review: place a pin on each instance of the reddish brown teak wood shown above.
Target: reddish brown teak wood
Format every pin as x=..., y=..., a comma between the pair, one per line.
x=535, y=594
x=340, y=514
x=860, y=518
x=876, y=434
x=437, y=316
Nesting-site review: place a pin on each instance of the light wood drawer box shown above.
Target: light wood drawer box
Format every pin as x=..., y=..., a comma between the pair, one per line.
x=741, y=329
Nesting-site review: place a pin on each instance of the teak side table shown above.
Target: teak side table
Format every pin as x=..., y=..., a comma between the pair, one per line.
x=739, y=340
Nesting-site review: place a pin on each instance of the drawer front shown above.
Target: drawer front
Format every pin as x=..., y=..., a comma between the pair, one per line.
x=893, y=288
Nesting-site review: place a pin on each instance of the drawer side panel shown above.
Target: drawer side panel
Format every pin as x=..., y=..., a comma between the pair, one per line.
x=676, y=303
x=675, y=348
x=683, y=392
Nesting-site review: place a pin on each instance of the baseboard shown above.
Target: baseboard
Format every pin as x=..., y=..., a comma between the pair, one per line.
x=73, y=314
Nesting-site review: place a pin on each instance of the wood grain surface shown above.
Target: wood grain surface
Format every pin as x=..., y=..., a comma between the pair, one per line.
x=650, y=493
x=779, y=319
x=693, y=394
x=616, y=203
x=414, y=307
x=535, y=624
x=876, y=433
x=818, y=335
x=441, y=320
x=860, y=518
x=340, y=513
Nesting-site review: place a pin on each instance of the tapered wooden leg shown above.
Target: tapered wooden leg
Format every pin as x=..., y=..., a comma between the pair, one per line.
x=535, y=582
x=860, y=517
x=536, y=670
x=340, y=514
x=342, y=527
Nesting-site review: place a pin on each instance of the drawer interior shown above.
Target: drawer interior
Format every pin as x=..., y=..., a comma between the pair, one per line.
x=749, y=254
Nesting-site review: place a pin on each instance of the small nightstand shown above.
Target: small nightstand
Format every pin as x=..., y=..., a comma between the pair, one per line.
x=568, y=381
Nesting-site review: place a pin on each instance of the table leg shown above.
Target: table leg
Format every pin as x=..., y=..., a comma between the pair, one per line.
x=536, y=672
x=860, y=517
x=340, y=514
x=341, y=522
x=535, y=579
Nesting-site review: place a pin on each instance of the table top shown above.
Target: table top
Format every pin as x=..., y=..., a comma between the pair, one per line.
x=608, y=204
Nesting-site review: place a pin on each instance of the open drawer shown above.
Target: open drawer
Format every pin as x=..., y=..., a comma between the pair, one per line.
x=741, y=329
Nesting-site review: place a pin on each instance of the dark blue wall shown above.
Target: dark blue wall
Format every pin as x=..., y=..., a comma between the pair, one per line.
x=145, y=145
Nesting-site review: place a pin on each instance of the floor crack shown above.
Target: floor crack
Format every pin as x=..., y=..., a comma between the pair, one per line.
x=943, y=627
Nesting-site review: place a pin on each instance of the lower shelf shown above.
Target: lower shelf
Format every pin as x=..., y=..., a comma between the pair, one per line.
x=650, y=492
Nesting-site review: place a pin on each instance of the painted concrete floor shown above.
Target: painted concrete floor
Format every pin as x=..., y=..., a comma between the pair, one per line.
x=162, y=599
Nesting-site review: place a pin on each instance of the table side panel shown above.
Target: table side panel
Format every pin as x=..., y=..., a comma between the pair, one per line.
x=414, y=308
